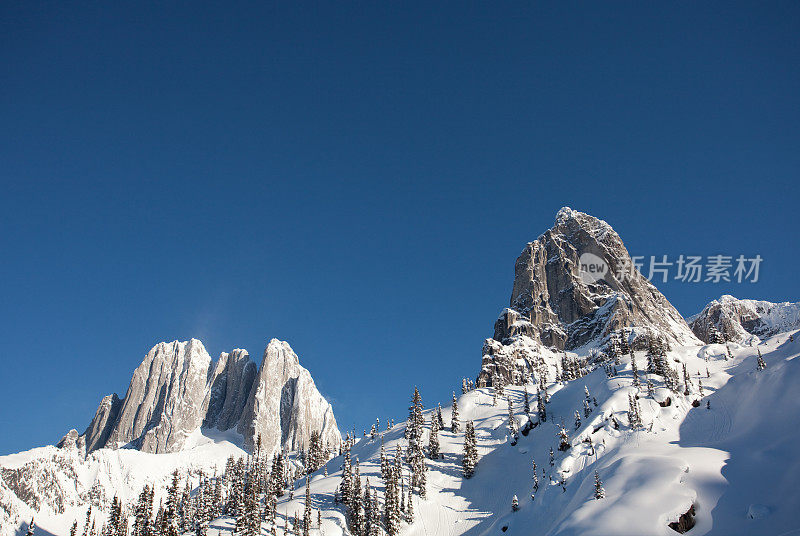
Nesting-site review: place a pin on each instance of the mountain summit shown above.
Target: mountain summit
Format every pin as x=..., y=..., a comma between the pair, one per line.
x=563, y=303
x=175, y=392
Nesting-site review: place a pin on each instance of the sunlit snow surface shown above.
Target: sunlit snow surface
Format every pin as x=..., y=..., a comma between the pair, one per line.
x=736, y=462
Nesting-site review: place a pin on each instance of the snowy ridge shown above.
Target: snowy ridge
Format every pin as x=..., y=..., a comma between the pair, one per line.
x=744, y=320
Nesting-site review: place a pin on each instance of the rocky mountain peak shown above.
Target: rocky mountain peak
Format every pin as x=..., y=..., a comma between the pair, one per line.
x=178, y=390
x=557, y=302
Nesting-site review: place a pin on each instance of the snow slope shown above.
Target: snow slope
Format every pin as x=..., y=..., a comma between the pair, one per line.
x=60, y=483
x=733, y=462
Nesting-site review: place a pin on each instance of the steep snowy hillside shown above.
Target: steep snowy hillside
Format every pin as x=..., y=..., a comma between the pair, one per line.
x=744, y=320
x=726, y=455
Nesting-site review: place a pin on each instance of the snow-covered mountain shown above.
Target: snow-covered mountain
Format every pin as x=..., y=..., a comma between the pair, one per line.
x=553, y=304
x=181, y=411
x=654, y=440
x=744, y=320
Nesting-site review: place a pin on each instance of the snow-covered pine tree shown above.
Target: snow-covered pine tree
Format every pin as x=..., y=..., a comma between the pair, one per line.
x=31, y=528
x=433, y=439
x=563, y=439
x=514, y=504
x=307, y=509
x=577, y=419
x=74, y=528
x=540, y=403
x=346, y=485
x=439, y=416
x=761, y=364
x=552, y=457
x=512, y=419
x=454, y=424
x=535, y=478
x=599, y=492
x=526, y=403
x=714, y=336
x=634, y=370
x=172, y=512
x=143, y=512
x=356, y=506
x=391, y=502
x=470, y=457
x=634, y=415
x=410, y=507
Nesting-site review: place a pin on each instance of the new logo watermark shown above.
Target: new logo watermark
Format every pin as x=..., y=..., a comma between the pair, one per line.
x=593, y=268
x=684, y=268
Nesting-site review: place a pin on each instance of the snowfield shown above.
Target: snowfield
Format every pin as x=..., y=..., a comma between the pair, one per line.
x=734, y=461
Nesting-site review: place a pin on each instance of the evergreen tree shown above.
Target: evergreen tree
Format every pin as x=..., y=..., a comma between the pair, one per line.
x=88, y=523
x=433, y=439
x=307, y=510
x=526, y=403
x=439, y=417
x=392, y=500
x=577, y=419
x=535, y=478
x=552, y=457
x=634, y=370
x=761, y=364
x=634, y=414
x=563, y=439
x=514, y=504
x=541, y=408
x=345, y=487
x=454, y=424
x=512, y=419
x=172, y=511
x=470, y=458
x=31, y=528
x=599, y=492
x=73, y=529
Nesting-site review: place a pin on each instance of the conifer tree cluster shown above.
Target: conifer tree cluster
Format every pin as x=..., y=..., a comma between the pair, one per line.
x=572, y=368
x=761, y=364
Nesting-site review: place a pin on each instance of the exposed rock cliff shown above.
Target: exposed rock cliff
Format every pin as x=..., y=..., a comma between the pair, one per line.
x=175, y=392
x=575, y=285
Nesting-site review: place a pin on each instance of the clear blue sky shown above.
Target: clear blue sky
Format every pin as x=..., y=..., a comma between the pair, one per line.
x=359, y=179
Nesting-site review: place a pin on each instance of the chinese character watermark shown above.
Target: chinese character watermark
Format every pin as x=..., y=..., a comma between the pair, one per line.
x=684, y=268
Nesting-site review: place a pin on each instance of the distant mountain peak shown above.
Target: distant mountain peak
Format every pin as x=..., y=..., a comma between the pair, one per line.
x=177, y=389
x=743, y=320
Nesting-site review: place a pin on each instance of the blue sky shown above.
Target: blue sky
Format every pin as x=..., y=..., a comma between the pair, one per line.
x=359, y=179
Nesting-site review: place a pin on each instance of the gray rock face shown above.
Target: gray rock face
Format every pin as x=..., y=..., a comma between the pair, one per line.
x=164, y=402
x=284, y=406
x=175, y=392
x=231, y=383
x=96, y=435
x=742, y=320
x=552, y=303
